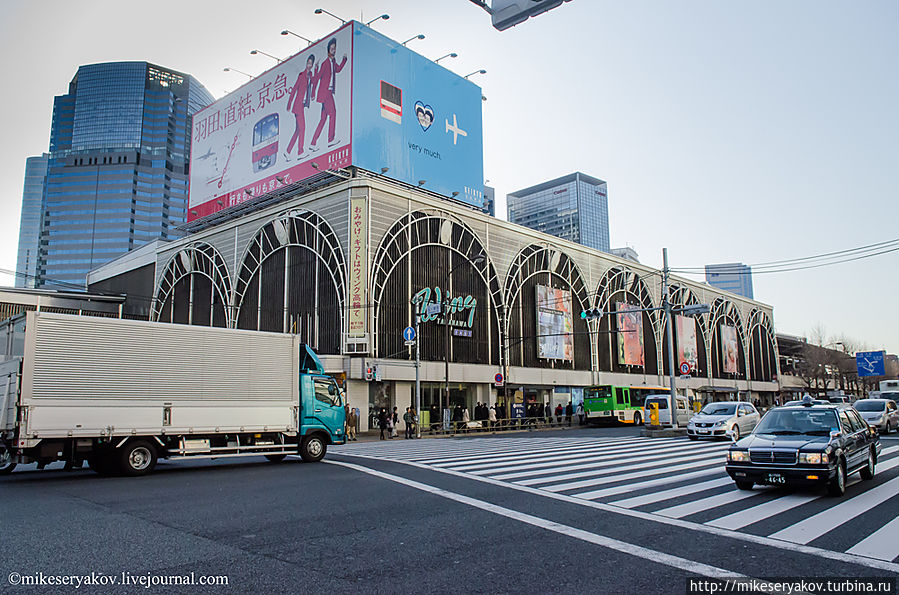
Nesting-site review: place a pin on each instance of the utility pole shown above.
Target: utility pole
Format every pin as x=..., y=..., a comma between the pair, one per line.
x=672, y=405
x=417, y=380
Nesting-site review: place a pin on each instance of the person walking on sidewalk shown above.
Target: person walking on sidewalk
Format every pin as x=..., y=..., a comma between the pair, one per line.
x=548, y=413
x=559, y=413
x=580, y=413
x=351, y=425
x=569, y=411
x=382, y=421
x=407, y=419
x=491, y=416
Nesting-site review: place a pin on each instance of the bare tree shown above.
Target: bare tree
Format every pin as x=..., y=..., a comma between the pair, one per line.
x=818, y=335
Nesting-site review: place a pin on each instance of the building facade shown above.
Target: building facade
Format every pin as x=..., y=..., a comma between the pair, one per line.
x=734, y=277
x=30, y=220
x=347, y=262
x=118, y=166
x=574, y=207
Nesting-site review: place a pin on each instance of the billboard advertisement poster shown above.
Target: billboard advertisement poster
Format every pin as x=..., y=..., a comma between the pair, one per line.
x=729, y=348
x=358, y=269
x=416, y=118
x=268, y=132
x=686, y=341
x=555, y=324
x=630, y=334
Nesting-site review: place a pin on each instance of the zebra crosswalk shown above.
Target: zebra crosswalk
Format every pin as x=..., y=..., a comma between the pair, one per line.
x=674, y=479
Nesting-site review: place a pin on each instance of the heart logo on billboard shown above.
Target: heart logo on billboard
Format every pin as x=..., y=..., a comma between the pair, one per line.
x=425, y=115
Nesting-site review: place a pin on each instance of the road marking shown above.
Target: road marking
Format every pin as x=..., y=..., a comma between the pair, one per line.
x=827, y=520
x=650, y=483
x=585, y=483
x=608, y=467
x=646, y=516
x=882, y=544
x=682, y=510
x=641, y=552
x=654, y=497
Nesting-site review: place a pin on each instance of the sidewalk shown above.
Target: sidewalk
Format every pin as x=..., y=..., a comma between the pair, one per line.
x=374, y=435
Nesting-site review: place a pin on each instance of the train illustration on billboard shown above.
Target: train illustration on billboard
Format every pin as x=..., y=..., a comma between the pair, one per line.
x=265, y=143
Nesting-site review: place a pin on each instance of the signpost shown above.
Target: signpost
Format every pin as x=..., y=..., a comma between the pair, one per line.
x=870, y=363
x=498, y=380
x=684, y=368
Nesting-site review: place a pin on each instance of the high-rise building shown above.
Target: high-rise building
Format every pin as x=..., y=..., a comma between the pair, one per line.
x=735, y=277
x=30, y=220
x=627, y=253
x=490, y=201
x=574, y=207
x=118, y=169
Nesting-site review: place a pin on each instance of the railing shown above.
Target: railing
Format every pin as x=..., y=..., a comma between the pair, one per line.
x=502, y=425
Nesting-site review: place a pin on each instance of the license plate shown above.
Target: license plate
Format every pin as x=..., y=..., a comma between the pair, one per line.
x=775, y=478
x=702, y=431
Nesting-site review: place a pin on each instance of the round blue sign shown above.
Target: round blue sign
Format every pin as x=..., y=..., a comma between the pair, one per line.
x=409, y=333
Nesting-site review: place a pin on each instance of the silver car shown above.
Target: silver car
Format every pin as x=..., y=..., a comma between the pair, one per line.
x=882, y=414
x=723, y=420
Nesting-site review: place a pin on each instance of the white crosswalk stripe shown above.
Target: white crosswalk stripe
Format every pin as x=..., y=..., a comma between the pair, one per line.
x=673, y=478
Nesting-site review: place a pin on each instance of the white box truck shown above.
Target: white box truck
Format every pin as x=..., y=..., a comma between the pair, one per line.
x=120, y=394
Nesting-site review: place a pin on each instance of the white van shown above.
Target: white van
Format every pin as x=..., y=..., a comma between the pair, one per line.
x=682, y=414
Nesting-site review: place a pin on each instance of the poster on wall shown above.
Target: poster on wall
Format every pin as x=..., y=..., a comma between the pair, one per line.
x=630, y=334
x=686, y=341
x=555, y=324
x=729, y=348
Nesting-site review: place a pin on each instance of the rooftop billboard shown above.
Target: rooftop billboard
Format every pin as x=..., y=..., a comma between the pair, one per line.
x=354, y=97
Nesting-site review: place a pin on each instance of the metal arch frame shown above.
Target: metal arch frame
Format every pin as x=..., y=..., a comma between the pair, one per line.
x=323, y=231
x=760, y=319
x=531, y=254
x=201, y=253
x=726, y=310
x=609, y=280
x=400, y=234
x=681, y=295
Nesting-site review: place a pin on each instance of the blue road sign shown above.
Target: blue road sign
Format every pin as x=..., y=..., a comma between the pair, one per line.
x=870, y=363
x=409, y=333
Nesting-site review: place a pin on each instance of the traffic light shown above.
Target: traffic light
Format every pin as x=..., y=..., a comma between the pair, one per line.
x=508, y=13
x=591, y=313
x=369, y=373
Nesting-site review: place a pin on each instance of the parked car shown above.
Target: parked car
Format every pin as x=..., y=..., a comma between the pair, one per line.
x=882, y=414
x=811, y=444
x=682, y=415
x=723, y=420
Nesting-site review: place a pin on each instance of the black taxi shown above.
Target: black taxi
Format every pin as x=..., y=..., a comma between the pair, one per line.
x=806, y=444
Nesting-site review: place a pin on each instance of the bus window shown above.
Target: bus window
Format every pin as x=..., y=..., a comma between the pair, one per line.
x=598, y=392
x=621, y=395
x=638, y=397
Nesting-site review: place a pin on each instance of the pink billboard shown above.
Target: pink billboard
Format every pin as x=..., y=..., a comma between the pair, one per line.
x=285, y=125
x=686, y=341
x=630, y=334
x=729, y=348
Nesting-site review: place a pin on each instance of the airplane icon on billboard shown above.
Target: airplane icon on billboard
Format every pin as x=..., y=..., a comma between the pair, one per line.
x=454, y=128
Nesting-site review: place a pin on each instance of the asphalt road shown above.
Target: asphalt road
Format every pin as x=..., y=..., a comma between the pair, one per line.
x=375, y=518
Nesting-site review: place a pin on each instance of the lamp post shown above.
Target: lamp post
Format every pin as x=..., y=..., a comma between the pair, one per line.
x=323, y=11
x=449, y=55
x=383, y=16
x=446, y=323
x=254, y=52
x=419, y=36
x=229, y=69
x=481, y=71
x=289, y=32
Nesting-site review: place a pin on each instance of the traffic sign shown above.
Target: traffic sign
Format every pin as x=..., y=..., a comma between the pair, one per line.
x=684, y=368
x=498, y=380
x=409, y=334
x=433, y=309
x=410, y=343
x=870, y=363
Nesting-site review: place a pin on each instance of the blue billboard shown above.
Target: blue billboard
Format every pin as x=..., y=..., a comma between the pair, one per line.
x=416, y=118
x=870, y=363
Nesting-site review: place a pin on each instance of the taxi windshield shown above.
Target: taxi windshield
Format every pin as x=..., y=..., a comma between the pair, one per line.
x=798, y=421
x=719, y=409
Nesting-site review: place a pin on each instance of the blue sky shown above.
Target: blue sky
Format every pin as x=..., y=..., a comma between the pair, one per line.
x=727, y=131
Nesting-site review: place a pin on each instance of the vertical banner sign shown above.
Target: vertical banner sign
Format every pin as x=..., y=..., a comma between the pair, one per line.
x=630, y=334
x=686, y=341
x=729, y=348
x=554, y=324
x=358, y=272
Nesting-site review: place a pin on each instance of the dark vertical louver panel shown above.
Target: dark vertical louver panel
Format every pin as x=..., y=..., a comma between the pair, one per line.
x=249, y=308
x=272, y=317
x=202, y=300
x=182, y=300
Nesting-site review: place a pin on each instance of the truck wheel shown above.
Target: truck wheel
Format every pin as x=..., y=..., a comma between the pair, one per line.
x=137, y=457
x=6, y=464
x=313, y=449
x=275, y=458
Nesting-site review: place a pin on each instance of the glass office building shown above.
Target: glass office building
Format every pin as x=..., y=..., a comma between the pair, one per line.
x=118, y=167
x=735, y=277
x=574, y=207
x=30, y=220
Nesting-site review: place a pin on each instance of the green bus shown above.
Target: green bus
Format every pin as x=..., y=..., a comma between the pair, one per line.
x=624, y=404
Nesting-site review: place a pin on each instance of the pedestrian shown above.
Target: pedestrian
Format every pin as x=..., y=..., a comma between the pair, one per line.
x=435, y=417
x=569, y=411
x=395, y=417
x=581, y=414
x=351, y=419
x=407, y=419
x=548, y=414
x=559, y=412
x=382, y=421
x=491, y=416
x=414, y=429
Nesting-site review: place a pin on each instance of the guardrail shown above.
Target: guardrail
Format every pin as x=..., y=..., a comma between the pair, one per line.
x=501, y=425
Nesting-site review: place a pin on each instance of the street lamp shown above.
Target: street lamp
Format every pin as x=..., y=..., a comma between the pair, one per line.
x=480, y=258
x=449, y=55
x=419, y=36
x=383, y=16
x=481, y=71
x=288, y=32
x=254, y=52
x=322, y=10
x=229, y=69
